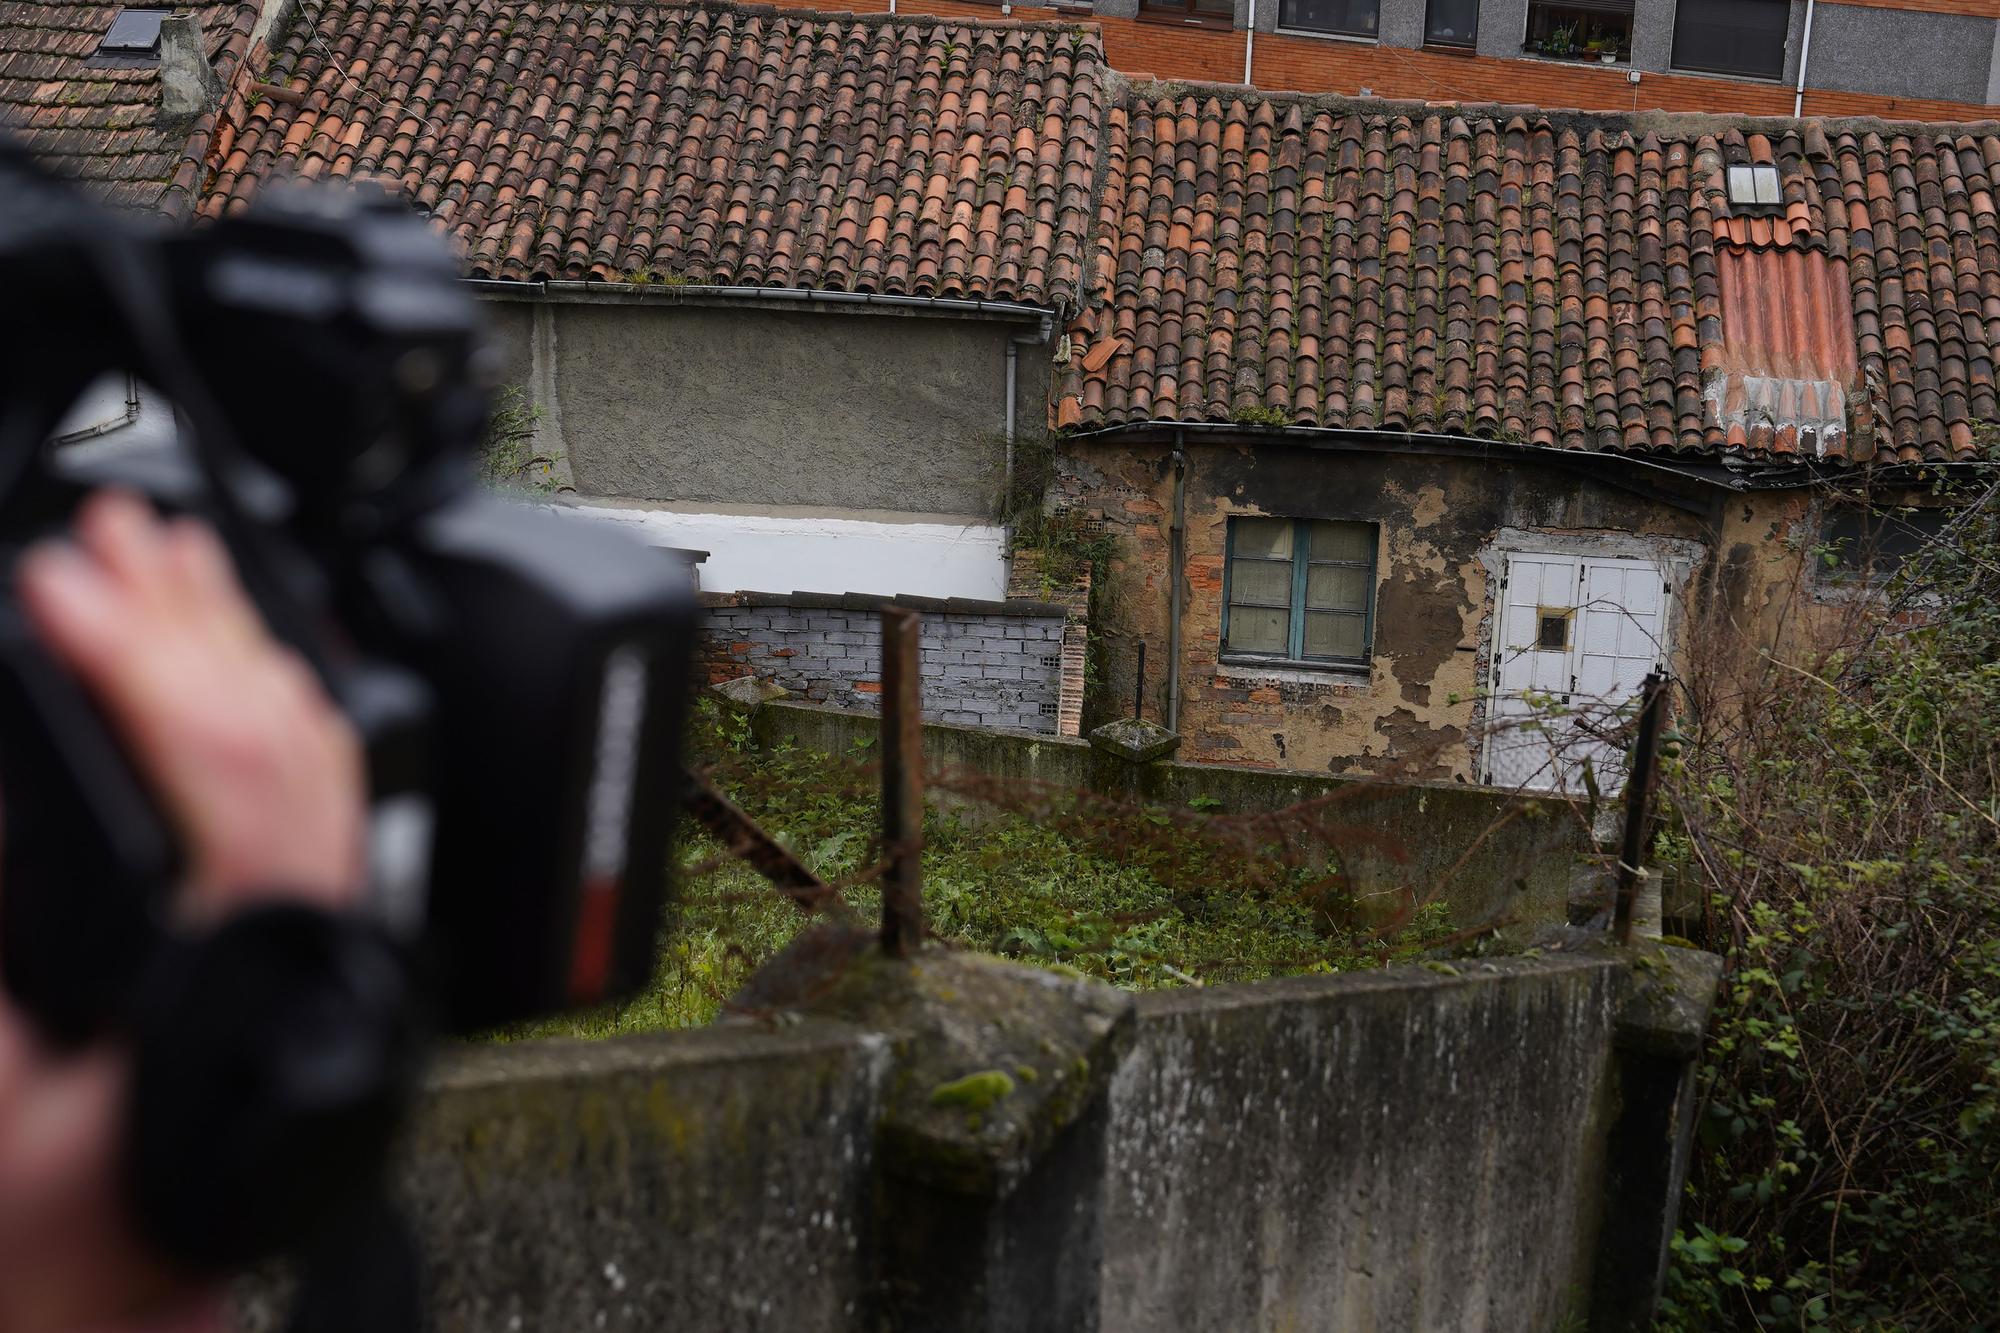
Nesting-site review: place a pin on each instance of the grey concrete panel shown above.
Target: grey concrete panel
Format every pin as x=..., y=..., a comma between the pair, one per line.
x=1901, y=53
x=1401, y=23
x=1276, y=1152
x=742, y=405
x=1502, y=26
x=717, y=1180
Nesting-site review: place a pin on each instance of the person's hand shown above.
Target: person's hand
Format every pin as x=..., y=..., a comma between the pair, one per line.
x=261, y=774
x=263, y=780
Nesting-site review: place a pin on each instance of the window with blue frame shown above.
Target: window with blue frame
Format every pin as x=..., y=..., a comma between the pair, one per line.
x=1299, y=590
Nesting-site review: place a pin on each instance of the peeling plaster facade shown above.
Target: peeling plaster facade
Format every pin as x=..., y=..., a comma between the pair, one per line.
x=1444, y=523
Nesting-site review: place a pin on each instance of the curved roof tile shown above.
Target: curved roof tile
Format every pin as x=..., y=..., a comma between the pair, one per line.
x=1555, y=279
x=702, y=144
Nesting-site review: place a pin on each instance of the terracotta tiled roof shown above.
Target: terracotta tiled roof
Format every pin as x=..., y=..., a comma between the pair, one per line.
x=703, y=144
x=1562, y=280
x=100, y=122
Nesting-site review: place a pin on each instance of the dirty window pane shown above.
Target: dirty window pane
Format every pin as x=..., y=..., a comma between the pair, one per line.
x=1344, y=541
x=1337, y=587
x=1334, y=634
x=1452, y=22
x=1270, y=537
x=1262, y=581
x=1874, y=543
x=1257, y=629
x=1356, y=18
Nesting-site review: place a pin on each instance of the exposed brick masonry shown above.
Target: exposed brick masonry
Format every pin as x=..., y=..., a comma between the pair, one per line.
x=995, y=664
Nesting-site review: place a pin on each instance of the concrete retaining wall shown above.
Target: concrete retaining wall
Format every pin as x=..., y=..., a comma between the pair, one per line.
x=1395, y=1150
x=1399, y=1150
x=1487, y=853
x=990, y=664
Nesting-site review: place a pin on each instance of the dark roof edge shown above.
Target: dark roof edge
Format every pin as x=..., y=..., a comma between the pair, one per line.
x=878, y=19
x=611, y=291
x=861, y=601
x=1635, y=122
x=1749, y=476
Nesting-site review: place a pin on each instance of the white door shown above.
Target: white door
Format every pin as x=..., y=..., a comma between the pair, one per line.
x=1574, y=639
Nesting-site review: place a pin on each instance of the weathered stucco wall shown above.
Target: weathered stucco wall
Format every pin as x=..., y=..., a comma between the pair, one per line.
x=1418, y=711
x=738, y=404
x=1372, y=1151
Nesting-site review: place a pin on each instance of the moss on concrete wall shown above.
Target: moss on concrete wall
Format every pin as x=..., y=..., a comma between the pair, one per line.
x=1402, y=1149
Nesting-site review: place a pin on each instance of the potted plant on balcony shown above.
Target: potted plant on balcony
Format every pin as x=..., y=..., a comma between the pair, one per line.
x=1559, y=43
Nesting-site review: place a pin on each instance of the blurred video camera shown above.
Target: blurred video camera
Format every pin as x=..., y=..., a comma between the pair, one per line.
x=517, y=676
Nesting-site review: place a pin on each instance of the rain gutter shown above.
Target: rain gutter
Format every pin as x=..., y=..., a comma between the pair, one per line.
x=641, y=293
x=1805, y=55
x=1337, y=439
x=1176, y=547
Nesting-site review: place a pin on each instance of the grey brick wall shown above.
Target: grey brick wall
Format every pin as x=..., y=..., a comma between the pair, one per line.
x=995, y=667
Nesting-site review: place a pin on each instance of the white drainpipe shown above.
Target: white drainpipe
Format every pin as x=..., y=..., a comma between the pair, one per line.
x=1805, y=54
x=1250, y=42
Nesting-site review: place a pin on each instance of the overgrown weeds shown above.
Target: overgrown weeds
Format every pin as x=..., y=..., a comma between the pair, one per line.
x=1142, y=897
x=1839, y=812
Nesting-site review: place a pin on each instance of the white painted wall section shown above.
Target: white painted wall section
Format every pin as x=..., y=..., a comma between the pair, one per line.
x=775, y=551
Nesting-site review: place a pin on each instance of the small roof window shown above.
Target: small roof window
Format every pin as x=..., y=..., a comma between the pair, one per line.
x=135, y=32
x=1753, y=185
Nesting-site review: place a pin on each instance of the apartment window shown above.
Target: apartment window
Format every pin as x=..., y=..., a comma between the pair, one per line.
x=1219, y=12
x=1299, y=590
x=1451, y=23
x=1348, y=18
x=1598, y=30
x=1742, y=37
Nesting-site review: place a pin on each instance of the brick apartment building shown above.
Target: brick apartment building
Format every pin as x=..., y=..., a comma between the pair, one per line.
x=1899, y=59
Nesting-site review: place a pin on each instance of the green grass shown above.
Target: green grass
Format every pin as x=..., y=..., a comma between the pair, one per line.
x=1139, y=898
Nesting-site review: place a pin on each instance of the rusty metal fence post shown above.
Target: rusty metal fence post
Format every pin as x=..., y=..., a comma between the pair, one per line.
x=902, y=782
x=1638, y=804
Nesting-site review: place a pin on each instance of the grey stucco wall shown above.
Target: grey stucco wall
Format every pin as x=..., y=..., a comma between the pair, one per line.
x=1370, y=1151
x=988, y=669
x=1901, y=53
x=738, y=404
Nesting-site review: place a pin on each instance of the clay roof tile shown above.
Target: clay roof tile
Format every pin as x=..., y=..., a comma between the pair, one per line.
x=714, y=143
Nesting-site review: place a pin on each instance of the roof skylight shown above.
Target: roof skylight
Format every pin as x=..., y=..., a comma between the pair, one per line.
x=135, y=32
x=1754, y=184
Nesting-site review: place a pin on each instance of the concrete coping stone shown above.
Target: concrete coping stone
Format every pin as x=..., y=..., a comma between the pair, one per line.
x=566, y=1060
x=1457, y=973
x=994, y=1059
x=861, y=601
x=1135, y=740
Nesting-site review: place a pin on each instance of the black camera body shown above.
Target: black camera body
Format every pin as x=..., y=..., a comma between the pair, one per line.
x=518, y=677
